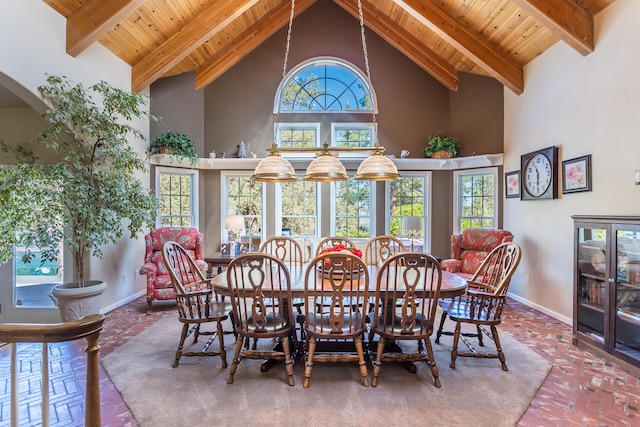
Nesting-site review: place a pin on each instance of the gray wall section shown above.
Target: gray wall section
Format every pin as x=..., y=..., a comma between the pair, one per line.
x=238, y=106
x=181, y=108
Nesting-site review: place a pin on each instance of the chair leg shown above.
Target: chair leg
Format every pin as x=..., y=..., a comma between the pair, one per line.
x=479, y=330
x=432, y=363
x=439, y=333
x=377, y=364
x=454, y=352
x=223, y=352
x=363, y=364
x=149, y=301
x=236, y=359
x=496, y=339
x=288, y=361
x=196, y=333
x=308, y=365
x=183, y=336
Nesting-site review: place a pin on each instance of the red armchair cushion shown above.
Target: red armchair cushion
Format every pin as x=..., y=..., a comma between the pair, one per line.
x=470, y=248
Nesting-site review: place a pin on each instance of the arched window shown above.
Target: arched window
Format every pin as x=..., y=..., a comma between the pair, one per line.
x=325, y=84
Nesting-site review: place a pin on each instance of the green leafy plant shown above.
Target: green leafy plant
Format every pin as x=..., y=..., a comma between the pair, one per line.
x=175, y=144
x=84, y=193
x=440, y=142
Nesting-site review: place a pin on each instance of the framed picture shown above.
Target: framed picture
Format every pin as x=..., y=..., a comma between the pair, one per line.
x=576, y=175
x=512, y=184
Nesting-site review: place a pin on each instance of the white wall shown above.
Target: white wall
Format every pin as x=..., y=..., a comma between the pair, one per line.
x=584, y=105
x=33, y=45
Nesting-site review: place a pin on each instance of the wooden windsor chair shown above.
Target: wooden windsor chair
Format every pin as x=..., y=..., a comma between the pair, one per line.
x=406, y=298
x=196, y=302
x=260, y=290
x=482, y=304
x=343, y=280
x=381, y=248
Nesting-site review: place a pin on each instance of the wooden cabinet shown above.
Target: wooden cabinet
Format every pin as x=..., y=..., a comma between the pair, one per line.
x=606, y=312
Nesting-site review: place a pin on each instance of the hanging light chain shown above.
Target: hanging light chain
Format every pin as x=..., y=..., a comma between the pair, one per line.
x=366, y=56
x=284, y=66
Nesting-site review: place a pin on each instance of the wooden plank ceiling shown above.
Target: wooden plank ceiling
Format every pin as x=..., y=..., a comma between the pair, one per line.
x=496, y=38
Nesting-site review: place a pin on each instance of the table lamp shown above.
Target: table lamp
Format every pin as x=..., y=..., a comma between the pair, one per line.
x=234, y=223
x=412, y=226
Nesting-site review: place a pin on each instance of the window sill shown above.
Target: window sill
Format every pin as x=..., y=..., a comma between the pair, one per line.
x=469, y=162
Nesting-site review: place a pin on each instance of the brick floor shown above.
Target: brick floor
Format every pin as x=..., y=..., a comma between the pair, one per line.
x=581, y=389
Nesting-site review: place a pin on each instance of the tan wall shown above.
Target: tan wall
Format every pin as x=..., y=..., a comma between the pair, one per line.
x=584, y=105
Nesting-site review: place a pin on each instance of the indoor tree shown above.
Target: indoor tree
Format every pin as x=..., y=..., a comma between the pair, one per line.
x=76, y=182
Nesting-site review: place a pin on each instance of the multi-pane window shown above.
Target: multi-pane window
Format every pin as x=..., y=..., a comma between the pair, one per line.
x=299, y=208
x=324, y=85
x=476, y=199
x=294, y=135
x=353, y=209
x=243, y=197
x=177, y=192
x=352, y=135
x=407, y=215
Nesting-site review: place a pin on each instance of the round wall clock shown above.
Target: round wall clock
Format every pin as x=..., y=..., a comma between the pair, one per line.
x=539, y=171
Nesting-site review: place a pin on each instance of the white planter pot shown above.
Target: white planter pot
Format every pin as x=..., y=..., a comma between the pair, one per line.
x=75, y=302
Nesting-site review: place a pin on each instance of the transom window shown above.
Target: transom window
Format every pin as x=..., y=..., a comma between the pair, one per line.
x=324, y=84
x=352, y=135
x=298, y=135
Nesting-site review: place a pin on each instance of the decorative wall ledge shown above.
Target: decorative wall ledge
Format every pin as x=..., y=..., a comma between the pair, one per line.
x=469, y=162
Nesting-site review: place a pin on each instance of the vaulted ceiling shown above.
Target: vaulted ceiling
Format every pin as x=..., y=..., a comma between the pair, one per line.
x=496, y=38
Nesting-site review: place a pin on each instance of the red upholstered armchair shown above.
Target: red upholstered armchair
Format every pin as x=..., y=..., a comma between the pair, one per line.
x=471, y=247
x=158, y=280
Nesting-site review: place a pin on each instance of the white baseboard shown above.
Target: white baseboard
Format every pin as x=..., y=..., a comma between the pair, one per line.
x=555, y=315
x=122, y=302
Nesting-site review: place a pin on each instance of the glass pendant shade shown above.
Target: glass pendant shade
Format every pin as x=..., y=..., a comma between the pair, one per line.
x=377, y=168
x=326, y=168
x=274, y=168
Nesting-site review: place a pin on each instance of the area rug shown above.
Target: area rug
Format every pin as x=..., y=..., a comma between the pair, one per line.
x=476, y=393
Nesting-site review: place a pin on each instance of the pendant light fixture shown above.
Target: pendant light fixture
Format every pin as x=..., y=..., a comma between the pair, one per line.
x=325, y=167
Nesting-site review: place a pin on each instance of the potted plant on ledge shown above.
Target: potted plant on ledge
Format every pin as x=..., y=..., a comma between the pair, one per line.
x=440, y=146
x=84, y=193
x=175, y=144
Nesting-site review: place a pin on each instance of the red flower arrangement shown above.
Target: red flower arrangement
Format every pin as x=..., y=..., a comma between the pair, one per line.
x=339, y=248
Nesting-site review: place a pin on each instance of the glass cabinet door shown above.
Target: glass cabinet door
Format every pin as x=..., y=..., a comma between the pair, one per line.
x=627, y=320
x=592, y=281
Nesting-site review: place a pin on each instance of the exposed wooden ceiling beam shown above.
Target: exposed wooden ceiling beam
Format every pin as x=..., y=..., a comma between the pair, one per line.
x=572, y=23
x=244, y=44
x=93, y=19
x=473, y=45
x=405, y=42
x=185, y=41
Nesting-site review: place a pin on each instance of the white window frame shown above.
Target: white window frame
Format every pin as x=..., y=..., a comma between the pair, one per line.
x=303, y=125
x=426, y=200
x=278, y=210
x=224, y=206
x=457, y=206
x=372, y=209
x=335, y=127
x=334, y=62
x=195, y=197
